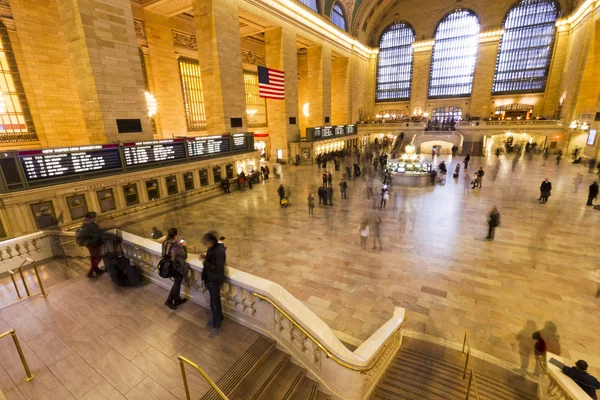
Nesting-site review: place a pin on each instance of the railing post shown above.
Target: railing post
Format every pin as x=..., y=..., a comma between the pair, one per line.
x=469, y=385
x=466, y=365
x=24, y=283
x=11, y=273
x=38, y=278
x=30, y=376
x=185, y=382
x=464, y=342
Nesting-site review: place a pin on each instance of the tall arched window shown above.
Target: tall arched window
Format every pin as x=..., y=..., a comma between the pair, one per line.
x=16, y=124
x=312, y=4
x=337, y=16
x=395, y=61
x=454, y=55
x=526, y=47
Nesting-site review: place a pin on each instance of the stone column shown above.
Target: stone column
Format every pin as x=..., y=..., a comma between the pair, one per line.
x=281, y=54
x=303, y=96
x=359, y=82
x=319, y=85
x=219, y=53
x=340, y=85
x=420, y=79
x=164, y=76
x=559, y=55
x=485, y=67
x=103, y=53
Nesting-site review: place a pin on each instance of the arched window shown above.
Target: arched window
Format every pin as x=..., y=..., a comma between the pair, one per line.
x=337, y=16
x=16, y=124
x=526, y=47
x=454, y=55
x=395, y=61
x=312, y=4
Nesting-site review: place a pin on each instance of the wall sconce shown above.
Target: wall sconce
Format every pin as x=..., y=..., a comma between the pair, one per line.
x=151, y=104
x=305, y=110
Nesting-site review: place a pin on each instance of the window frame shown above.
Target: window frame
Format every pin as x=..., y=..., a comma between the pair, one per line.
x=102, y=200
x=341, y=13
x=188, y=100
x=431, y=67
x=316, y=8
x=524, y=28
x=412, y=62
x=255, y=94
x=136, y=191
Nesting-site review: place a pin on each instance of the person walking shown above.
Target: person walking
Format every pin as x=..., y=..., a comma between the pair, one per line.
x=321, y=196
x=515, y=161
x=329, y=192
x=343, y=189
x=493, y=222
x=545, y=155
x=466, y=161
x=403, y=219
x=558, y=157
x=364, y=234
x=385, y=196
x=91, y=236
x=545, y=189
x=213, y=276
x=377, y=234
x=480, y=174
x=329, y=178
x=592, y=194
x=467, y=181
x=281, y=192
x=576, y=182
x=324, y=179
x=311, y=204
x=176, y=250
x=474, y=181
x=456, y=171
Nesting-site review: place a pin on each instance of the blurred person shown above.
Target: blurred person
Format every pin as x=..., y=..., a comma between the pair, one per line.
x=545, y=189
x=558, y=157
x=474, y=180
x=539, y=351
x=91, y=236
x=311, y=204
x=480, y=174
x=213, y=276
x=329, y=191
x=385, y=196
x=403, y=219
x=176, y=250
x=466, y=161
x=495, y=170
x=156, y=233
x=515, y=161
x=493, y=222
x=456, y=171
x=545, y=155
x=343, y=189
x=576, y=182
x=588, y=383
x=592, y=194
x=363, y=229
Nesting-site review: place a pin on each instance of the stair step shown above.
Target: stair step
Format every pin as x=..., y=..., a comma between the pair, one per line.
x=429, y=384
x=307, y=391
x=258, y=382
x=486, y=384
x=248, y=362
x=287, y=381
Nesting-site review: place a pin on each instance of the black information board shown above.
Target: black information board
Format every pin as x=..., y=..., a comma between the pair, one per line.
x=207, y=145
x=327, y=131
x=324, y=132
x=67, y=161
x=240, y=142
x=154, y=151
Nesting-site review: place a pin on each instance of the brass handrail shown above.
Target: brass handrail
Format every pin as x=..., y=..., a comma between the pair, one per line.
x=472, y=377
x=37, y=275
x=183, y=360
x=329, y=354
x=12, y=332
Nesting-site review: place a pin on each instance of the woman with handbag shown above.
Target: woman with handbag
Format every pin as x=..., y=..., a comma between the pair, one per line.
x=175, y=249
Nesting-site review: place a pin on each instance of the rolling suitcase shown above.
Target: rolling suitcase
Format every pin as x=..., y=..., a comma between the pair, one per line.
x=120, y=269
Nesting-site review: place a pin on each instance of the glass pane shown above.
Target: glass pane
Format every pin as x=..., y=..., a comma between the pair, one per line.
x=526, y=48
x=337, y=16
x=394, y=64
x=256, y=106
x=454, y=55
x=193, y=101
x=312, y=4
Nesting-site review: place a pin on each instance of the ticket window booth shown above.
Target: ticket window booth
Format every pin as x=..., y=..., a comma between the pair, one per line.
x=131, y=194
x=171, y=185
x=204, y=177
x=106, y=200
x=44, y=214
x=229, y=171
x=217, y=174
x=152, y=189
x=77, y=206
x=188, y=180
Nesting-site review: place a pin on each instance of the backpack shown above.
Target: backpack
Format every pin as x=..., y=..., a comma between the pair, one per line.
x=165, y=267
x=81, y=237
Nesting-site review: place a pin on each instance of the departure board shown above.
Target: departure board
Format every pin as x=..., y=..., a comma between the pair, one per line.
x=68, y=161
x=208, y=145
x=240, y=142
x=155, y=151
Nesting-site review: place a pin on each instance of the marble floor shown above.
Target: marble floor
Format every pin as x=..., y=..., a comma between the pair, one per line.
x=91, y=341
x=434, y=262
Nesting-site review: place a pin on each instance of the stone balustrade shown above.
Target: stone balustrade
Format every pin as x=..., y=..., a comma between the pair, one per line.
x=554, y=385
x=352, y=377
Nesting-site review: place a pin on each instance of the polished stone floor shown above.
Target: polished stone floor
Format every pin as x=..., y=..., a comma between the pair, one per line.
x=91, y=341
x=434, y=262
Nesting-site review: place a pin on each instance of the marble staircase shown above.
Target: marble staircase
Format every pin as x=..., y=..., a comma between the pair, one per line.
x=427, y=371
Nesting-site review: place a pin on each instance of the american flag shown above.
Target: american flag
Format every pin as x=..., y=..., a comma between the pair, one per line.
x=270, y=83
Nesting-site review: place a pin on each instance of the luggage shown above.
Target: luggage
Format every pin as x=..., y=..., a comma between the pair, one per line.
x=120, y=269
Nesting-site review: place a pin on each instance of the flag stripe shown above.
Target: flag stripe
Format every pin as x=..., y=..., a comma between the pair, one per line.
x=271, y=83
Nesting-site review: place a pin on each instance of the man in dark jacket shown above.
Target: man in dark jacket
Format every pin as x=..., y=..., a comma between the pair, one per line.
x=93, y=239
x=593, y=193
x=466, y=161
x=480, y=174
x=545, y=189
x=281, y=193
x=579, y=374
x=213, y=276
x=493, y=222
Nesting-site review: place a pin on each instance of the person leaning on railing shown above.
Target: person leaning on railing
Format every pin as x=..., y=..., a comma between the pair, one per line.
x=213, y=276
x=91, y=236
x=579, y=374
